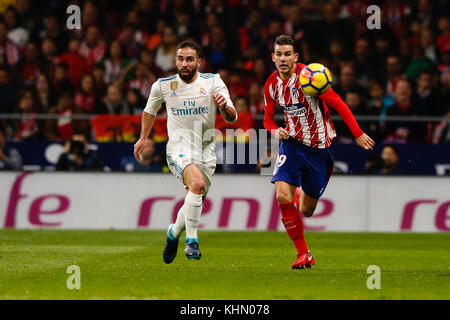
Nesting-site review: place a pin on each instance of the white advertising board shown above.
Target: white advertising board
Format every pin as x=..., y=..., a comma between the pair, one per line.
x=235, y=202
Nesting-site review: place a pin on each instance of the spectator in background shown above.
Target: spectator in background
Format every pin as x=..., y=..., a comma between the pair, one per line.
x=393, y=73
x=27, y=126
x=151, y=161
x=378, y=105
x=218, y=53
x=16, y=33
x=115, y=62
x=9, y=51
x=334, y=27
x=353, y=100
x=406, y=106
x=78, y=157
x=363, y=66
x=48, y=50
x=43, y=93
x=90, y=14
x=77, y=64
x=383, y=47
x=256, y=99
x=336, y=51
x=30, y=65
x=441, y=133
x=252, y=31
x=141, y=35
x=444, y=66
x=86, y=97
x=98, y=72
x=26, y=14
x=9, y=93
x=52, y=30
x=93, y=48
x=147, y=57
x=65, y=108
x=443, y=38
x=427, y=96
x=130, y=45
x=60, y=128
x=418, y=63
x=211, y=21
x=241, y=105
x=135, y=101
x=428, y=44
x=259, y=71
x=60, y=80
x=445, y=94
x=415, y=30
x=156, y=37
x=347, y=82
x=379, y=101
x=425, y=13
x=165, y=52
x=405, y=51
x=373, y=164
x=114, y=101
x=184, y=26
x=390, y=158
x=142, y=80
x=10, y=159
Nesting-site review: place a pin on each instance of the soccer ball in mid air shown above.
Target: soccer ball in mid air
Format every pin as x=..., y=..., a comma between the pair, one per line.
x=315, y=79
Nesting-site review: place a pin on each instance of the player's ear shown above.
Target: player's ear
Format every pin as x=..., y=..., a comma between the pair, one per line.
x=296, y=55
x=273, y=57
x=199, y=61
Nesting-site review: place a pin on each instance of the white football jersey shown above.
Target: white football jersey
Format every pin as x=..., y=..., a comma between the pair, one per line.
x=191, y=112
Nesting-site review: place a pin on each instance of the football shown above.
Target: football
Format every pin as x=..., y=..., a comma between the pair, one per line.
x=315, y=79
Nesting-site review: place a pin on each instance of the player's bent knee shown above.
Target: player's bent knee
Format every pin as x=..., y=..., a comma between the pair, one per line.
x=284, y=197
x=307, y=211
x=197, y=186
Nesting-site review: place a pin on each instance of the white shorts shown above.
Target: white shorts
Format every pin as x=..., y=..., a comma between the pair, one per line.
x=177, y=162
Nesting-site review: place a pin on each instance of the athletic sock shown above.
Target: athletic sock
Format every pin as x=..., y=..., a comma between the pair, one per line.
x=290, y=216
x=192, y=212
x=180, y=224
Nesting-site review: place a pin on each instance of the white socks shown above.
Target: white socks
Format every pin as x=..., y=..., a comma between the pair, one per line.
x=192, y=210
x=180, y=225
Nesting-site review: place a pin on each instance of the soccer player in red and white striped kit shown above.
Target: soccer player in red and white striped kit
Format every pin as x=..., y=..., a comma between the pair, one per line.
x=304, y=158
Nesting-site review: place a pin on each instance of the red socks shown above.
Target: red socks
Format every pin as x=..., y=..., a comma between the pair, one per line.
x=290, y=216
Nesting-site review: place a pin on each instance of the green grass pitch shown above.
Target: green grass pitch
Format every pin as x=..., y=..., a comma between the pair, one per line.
x=235, y=265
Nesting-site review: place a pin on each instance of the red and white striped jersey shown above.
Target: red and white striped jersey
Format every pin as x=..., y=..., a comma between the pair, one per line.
x=307, y=118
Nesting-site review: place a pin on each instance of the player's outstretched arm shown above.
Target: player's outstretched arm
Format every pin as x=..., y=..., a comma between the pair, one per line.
x=147, y=124
x=332, y=99
x=229, y=114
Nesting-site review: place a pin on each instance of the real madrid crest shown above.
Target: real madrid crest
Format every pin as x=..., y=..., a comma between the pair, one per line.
x=202, y=91
x=174, y=85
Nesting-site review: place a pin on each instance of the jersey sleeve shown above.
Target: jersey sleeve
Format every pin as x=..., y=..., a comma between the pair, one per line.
x=269, y=110
x=155, y=99
x=221, y=88
x=332, y=99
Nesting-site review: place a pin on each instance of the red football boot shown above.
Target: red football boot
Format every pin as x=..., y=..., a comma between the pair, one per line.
x=305, y=260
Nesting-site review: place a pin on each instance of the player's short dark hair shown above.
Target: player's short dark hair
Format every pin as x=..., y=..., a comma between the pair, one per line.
x=192, y=45
x=284, y=39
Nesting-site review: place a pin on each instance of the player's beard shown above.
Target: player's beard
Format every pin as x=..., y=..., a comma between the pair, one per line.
x=187, y=77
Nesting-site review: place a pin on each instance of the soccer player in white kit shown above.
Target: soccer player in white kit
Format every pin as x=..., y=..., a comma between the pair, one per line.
x=191, y=100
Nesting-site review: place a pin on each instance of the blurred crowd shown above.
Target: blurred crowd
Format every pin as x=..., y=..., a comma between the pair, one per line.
x=109, y=65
